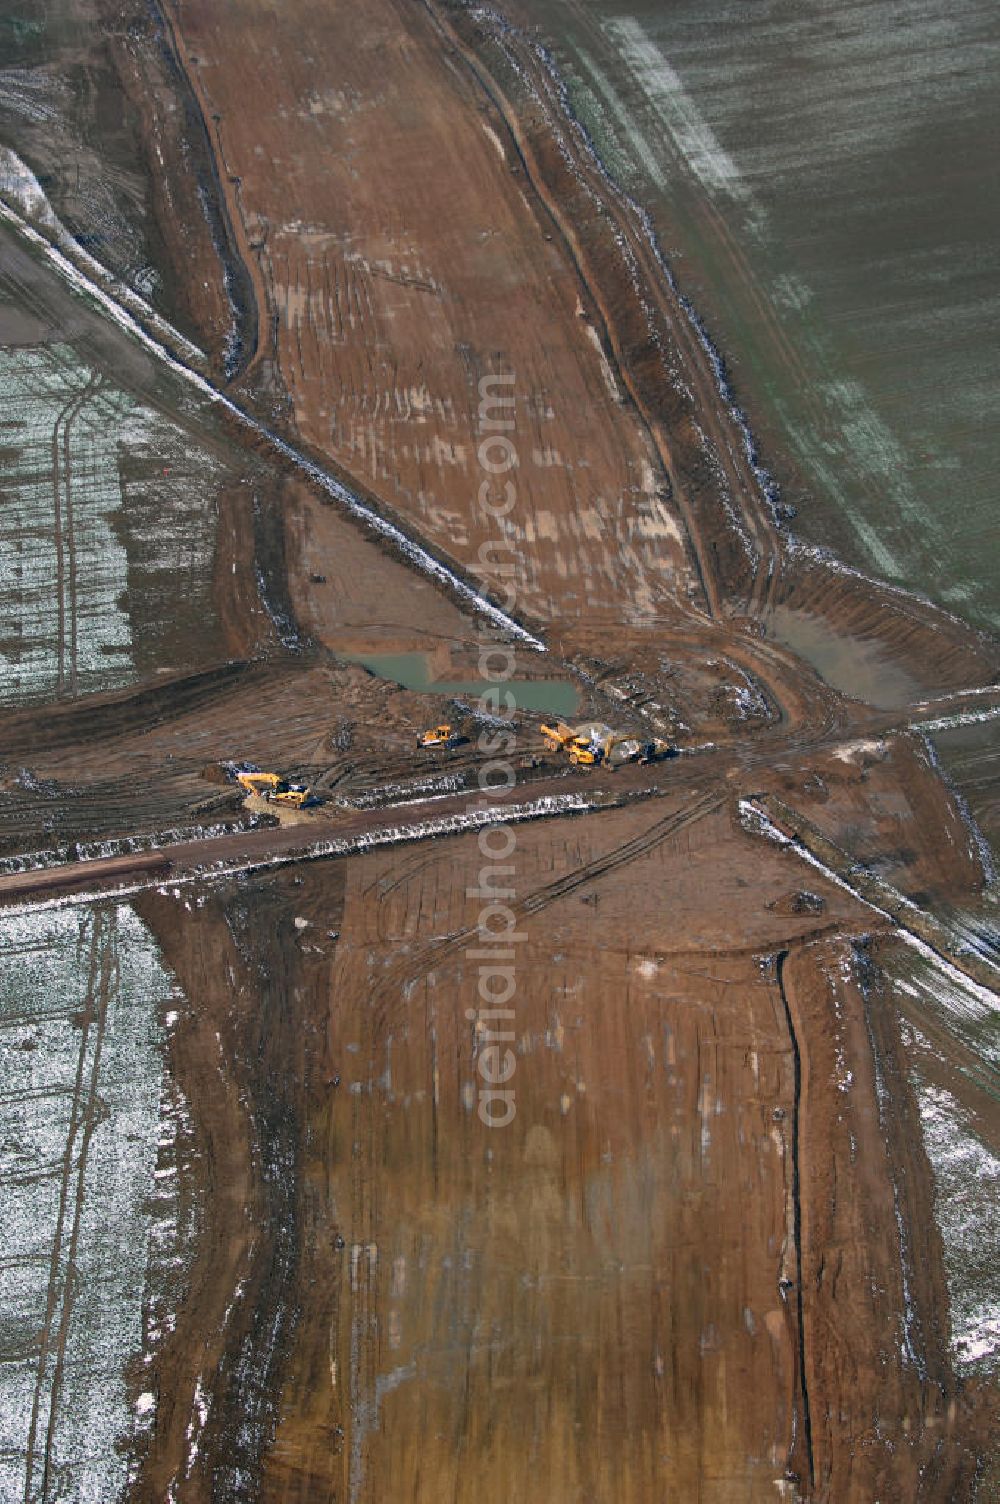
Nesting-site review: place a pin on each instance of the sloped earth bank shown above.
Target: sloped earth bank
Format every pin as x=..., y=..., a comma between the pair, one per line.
x=708, y=1257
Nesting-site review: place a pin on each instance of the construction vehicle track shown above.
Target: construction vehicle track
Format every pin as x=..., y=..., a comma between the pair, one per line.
x=412, y=966
x=84, y=1116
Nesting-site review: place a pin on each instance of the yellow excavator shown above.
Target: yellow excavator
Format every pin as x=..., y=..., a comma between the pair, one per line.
x=272, y=786
x=257, y=783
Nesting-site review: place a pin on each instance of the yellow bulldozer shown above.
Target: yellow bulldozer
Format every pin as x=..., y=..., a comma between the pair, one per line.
x=438, y=736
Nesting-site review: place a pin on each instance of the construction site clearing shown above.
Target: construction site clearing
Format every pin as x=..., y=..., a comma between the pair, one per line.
x=593, y=743
x=273, y=788
x=736, y=1242
x=590, y=744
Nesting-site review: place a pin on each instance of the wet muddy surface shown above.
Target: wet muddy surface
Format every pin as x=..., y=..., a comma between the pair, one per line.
x=697, y=1198
x=853, y=666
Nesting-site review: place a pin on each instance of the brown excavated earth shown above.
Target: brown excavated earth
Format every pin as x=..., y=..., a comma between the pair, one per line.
x=422, y=222
x=405, y=259
x=701, y=1262
x=605, y=1299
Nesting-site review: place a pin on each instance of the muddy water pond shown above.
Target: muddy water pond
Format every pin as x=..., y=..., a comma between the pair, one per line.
x=413, y=671
x=851, y=664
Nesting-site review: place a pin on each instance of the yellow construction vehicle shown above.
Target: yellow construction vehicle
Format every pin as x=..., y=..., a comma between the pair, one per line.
x=558, y=736
x=437, y=736
x=257, y=783
x=273, y=786
x=585, y=745
x=657, y=750
x=563, y=738
x=619, y=750
x=583, y=754
x=295, y=794
x=595, y=743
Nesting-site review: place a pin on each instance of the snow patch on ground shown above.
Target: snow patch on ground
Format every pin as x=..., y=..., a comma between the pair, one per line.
x=960, y=985
x=967, y=1211
x=961, y=718
x=495, y=139
x=610, y=379
x=80, y=1083
x=690, y=132
x=81, y=465
x=852, y=751
x=63, y=571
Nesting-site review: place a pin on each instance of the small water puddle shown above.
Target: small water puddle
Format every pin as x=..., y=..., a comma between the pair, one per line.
x=851, y=664
x=412, y=670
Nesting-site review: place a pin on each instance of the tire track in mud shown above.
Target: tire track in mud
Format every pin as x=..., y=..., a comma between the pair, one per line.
x=435, y=952
x=83, y=1120
x=669, y=825
x=63, y=532
x=90, y=1120
x=52, y=1296
x=62, y=480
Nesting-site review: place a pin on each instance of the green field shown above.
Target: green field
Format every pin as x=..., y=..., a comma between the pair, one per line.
x=824, y=180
